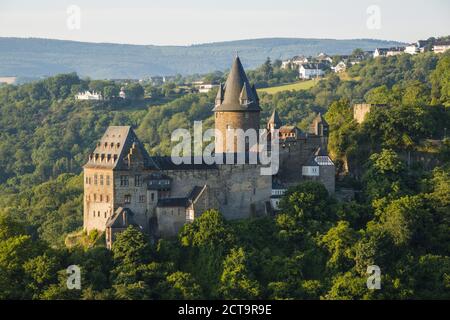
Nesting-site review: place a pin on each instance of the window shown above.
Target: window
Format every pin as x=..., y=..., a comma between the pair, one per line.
x=123, y=181
x=107, y=198
x=137, y=180
x=105, y=214
x=127, y=199
x=98, y=214
x=87, y=180
x=90, y=180
x=153, y=196
x=107, y=180
x=141, y=199
x=246, y=116
x=101, y=179
x=95, y=179
x=101, y=198
x=94, y=214
x=95, y=197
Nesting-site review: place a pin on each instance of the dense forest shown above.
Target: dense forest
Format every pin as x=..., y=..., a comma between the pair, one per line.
x=317, y=247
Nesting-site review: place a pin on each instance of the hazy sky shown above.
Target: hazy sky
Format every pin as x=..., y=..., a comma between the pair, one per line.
x=181, y=22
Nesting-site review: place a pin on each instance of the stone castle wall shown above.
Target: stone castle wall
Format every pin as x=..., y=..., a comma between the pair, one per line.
x=236, y=120
x=98, y=198
x=293, y=155
x=238, y=191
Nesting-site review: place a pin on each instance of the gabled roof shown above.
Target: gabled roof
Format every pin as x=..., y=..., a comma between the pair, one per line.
x=313, y=66
x=321, y=152
x=183, y=202
x=195, y=193
x=122, y=218
x=237, y=94
x=117, y=145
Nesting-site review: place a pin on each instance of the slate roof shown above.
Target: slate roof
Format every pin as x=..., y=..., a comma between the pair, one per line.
x=116, y=144
x=313, y=66
x=182, y=202
x=122, y=218
x=237, y=94
x=275, y=119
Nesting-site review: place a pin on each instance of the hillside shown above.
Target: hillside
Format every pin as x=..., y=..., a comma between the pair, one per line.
x=44, y=57
x=316, y=247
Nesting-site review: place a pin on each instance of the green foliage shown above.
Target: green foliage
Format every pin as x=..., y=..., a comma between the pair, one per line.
x=236, y=283
x=314, y=248
x=131, y=247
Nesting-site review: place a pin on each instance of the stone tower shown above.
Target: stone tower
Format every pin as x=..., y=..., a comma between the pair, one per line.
x=236, y=107
x=113, y=178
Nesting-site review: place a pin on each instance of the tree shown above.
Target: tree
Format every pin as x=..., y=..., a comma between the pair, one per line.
x=384, y=174
x=131, y=247
x=236, y=282
x=267, y=69
x=209, y=229
x=183, y=286
x=40, y=272
x=339, y=241
x=134, y=91
x=305, y=210
x=110, y=92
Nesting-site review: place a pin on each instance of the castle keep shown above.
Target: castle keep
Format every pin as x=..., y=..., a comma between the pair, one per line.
x=125, y=186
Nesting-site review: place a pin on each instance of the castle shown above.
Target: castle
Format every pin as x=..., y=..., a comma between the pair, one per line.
x=125, y=186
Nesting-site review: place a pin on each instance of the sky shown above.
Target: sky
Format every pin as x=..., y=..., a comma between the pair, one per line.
x=186, y=22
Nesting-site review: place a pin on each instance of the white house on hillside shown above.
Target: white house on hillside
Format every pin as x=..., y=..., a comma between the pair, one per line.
x=412, y=48
x=340, y=67
x=294, y=62
x=395, y=51
x=122, y=93
x=311, y=70
x=388, y=52
x=441, y=46
x=87, y=95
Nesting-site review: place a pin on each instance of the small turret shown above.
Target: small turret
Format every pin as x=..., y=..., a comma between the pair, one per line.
x=274, y=121
x=219, y=96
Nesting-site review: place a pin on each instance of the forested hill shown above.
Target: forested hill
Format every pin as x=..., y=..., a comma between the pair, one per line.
x=44, y=57
x=316, y=247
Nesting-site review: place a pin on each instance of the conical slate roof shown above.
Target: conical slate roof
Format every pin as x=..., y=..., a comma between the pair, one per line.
x=275, y=119
x=237, y=94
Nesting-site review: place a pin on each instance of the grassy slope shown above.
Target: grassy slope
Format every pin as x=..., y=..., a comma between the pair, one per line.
x=301, y=85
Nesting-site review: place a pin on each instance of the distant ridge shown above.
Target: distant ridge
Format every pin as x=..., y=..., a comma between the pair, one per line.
x=35, y=57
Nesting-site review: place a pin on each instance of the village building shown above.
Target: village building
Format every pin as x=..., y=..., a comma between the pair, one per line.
x=340, y=67
x=87, y=95
x=441, y=46
x=311, y=70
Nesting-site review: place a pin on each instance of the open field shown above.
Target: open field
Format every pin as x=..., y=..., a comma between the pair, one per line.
x=301, y=85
